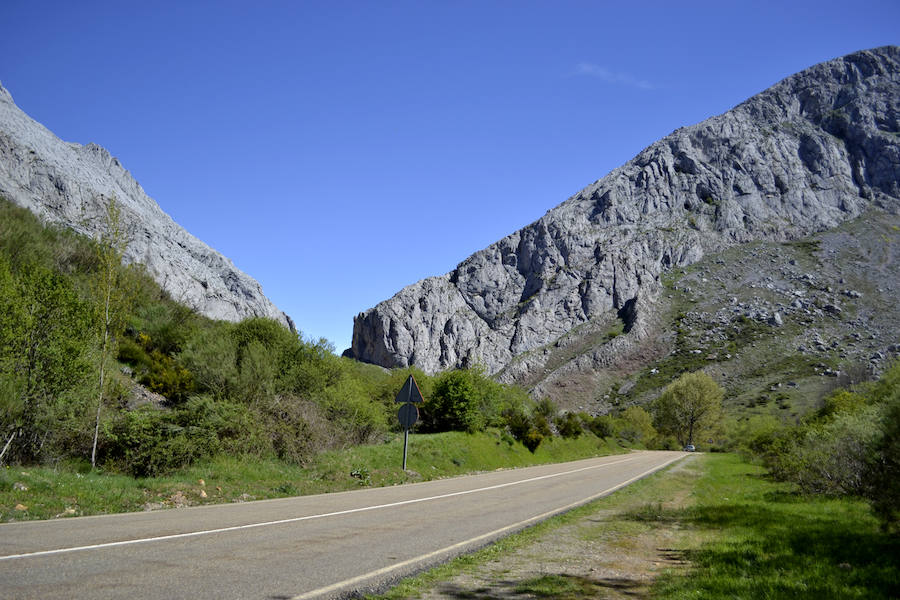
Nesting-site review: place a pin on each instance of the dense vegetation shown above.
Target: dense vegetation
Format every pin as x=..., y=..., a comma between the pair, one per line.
x=758, y=538
x=848, y=447
x=78, y=329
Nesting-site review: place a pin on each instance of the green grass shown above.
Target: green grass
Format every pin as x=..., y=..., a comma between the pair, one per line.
x=767, y=541
x=561, y=587
x=72, y=489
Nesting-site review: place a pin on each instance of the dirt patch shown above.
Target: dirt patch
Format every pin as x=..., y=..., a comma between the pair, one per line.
x=608, y=553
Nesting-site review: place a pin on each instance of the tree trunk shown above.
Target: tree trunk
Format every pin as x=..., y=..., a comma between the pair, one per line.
x=6, y=447
x=103, y=350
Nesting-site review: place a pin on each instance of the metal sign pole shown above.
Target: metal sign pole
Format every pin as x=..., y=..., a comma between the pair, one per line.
x=405, y=445
x=408, y=414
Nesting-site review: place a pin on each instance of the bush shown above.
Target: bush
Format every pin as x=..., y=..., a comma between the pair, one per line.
x=455, y=404
x=850, y=446
x=602, y=426
x=831, y=458
x=148, y=442
x=349, y=406
x=882, y=473
x=468, y=400
x=211, y=356
x=518, y=423
x=532, y=440
x=636, y=425
x=546, y=408
x=569, y=426
x=750, y=436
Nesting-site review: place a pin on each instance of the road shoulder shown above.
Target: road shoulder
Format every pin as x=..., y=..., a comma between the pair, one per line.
x=607, y=549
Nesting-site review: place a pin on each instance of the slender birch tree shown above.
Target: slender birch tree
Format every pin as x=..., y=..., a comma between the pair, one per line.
x=113, y=301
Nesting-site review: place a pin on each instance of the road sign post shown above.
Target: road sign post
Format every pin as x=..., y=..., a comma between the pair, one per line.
x=408, y=414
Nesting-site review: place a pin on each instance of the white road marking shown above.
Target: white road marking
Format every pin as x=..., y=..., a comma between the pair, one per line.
x=189, y=534
x=349, y=583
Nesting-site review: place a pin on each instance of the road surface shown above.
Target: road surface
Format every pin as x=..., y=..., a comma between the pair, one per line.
x=322, y=546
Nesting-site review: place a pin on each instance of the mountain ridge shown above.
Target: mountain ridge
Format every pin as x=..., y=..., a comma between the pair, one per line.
x=71, y=184
x=814, y=150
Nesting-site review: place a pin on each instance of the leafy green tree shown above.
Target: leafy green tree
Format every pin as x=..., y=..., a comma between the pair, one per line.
x=46, y=333
x=455, y=405
x=690, y=407
x=469, y=400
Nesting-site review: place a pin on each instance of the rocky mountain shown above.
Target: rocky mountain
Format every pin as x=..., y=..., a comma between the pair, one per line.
x=71, y=185
x=585, y=286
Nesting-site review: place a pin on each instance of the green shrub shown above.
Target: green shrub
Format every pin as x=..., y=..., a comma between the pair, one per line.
x=540, y=424
x=168, y=378
x=882, y=472
x=351, y=409
x=602, y=426
x=455, y=404
x=211, y=356
x=546, y=408
x=518, y=423
x=636, y=426
x=831, y=458
x=569, y=426
x=532, y=440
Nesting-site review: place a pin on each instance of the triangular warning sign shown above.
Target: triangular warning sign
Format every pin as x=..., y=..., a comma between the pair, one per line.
x=410, y=392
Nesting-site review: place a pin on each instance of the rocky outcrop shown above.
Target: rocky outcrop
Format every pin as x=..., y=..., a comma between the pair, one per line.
x=71, y=184
x=814, y=150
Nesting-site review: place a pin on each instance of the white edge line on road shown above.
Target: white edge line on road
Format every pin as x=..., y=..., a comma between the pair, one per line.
x=189, y=534
x=348, y=583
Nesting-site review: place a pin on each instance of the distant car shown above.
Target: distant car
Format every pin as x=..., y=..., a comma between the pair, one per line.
x=689, y=448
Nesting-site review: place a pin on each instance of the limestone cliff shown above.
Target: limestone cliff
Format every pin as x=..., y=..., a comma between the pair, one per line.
x=71, y=184
x=811, y=152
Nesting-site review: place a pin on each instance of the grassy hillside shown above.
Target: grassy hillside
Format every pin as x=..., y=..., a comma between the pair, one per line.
x=177, y=389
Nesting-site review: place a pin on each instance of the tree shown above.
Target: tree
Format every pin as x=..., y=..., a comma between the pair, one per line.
x=690, y=407
x=455, y=404
x=112, y=301
x=636, y=425
x=42, y=353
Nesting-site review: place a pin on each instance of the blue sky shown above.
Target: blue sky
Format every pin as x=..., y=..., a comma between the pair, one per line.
x=338, y=151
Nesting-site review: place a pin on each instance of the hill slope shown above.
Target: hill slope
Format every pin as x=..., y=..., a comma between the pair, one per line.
x=71, y=184
x=816, y=150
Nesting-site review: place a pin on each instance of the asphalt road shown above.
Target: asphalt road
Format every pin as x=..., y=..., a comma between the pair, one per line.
x=306, y=547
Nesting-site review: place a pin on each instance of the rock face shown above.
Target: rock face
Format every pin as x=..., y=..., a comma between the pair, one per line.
x=71, y=184
x=811, y=152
